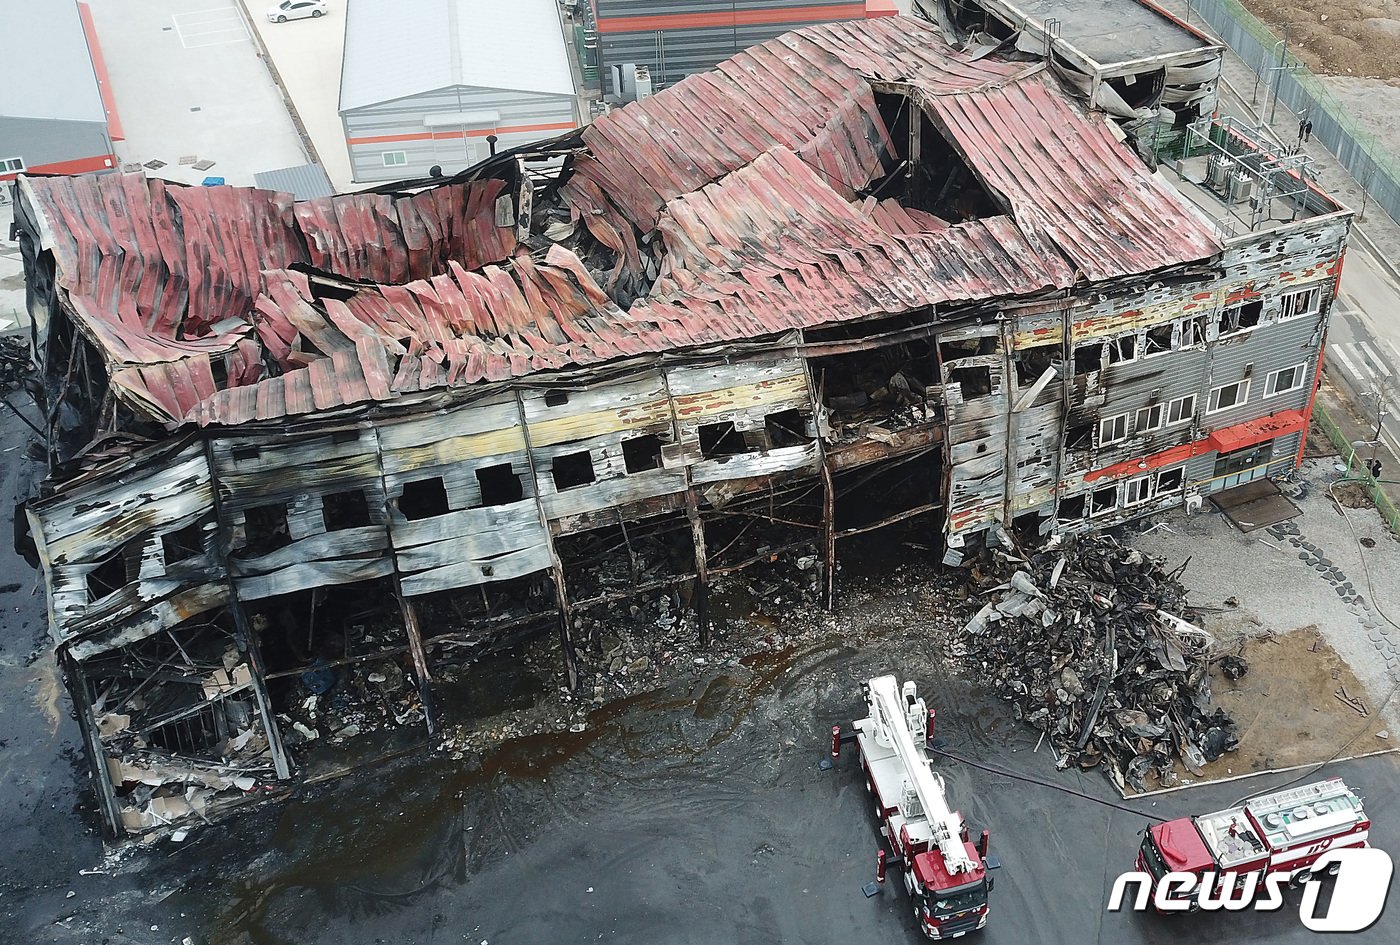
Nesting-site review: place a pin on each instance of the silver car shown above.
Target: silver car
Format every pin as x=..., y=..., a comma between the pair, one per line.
x=296, y=10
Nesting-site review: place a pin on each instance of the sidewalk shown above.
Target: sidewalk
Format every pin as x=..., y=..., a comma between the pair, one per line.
x=1375, y=227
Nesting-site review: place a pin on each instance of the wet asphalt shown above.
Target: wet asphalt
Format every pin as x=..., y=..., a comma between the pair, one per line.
x=698, y=813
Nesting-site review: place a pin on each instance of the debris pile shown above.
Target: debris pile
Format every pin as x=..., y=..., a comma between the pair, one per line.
x=15, y=365
x=350, y=701
x=1088, y=643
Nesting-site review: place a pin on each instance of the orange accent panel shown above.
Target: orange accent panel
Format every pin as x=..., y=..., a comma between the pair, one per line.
x=99, y=66
x=879, y=8
x=1227, y=440
x=480, y=133
x=675, y=21
x=102, y=162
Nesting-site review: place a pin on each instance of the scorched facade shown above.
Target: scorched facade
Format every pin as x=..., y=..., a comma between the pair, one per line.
x=736, y=323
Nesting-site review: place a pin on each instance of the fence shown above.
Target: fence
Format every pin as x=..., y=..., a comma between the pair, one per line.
x=1357, y=468
x=1358, y=151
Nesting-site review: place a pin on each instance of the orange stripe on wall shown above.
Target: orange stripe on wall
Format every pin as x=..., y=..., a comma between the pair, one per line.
x=102, y=162
x=99, y=66
x=673, y=21
x=474, y=133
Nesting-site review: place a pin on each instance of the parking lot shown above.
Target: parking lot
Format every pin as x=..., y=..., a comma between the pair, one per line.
x=191, y=88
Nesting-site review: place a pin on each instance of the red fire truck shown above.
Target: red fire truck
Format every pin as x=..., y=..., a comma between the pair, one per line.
x=1283, y=832
x=946, y=875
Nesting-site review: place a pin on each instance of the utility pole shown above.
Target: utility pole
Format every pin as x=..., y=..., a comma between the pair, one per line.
x=1278, y=73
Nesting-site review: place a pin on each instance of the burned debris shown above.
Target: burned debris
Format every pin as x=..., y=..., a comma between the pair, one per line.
x=1091, y=643
x=372, y=438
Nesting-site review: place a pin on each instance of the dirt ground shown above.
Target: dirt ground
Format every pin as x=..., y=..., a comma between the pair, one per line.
x=1339, y=37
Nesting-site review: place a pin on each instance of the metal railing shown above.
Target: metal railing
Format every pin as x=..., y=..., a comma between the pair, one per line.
x=1284, y=75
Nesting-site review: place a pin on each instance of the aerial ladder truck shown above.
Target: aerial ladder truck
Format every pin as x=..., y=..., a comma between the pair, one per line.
x=945, y=873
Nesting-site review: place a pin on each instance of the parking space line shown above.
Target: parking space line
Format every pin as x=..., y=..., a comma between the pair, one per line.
x=212, y=27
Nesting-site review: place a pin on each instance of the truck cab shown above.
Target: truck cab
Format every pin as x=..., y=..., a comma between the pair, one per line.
x=948, y=906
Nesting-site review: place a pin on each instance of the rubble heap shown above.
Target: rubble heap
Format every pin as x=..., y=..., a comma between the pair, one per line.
x=14, y=362
x=1091, y=643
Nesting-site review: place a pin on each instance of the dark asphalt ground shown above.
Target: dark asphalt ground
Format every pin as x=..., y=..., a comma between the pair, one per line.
x=694, y=814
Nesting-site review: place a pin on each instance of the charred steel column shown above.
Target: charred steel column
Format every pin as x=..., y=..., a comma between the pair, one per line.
x=561, y=592
x=420, y=656
x=243, y=628
x=77, y=685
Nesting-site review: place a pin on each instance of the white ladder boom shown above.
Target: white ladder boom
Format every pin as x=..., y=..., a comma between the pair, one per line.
x=896, y=720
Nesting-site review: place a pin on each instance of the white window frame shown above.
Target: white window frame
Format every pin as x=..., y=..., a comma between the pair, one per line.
x=1180, y=472
x=1172, y=335
x=385, y=155
x=1214, y=398
x=1185, y=342
x=1271, y=388
x=1115, y=352
x=1140, y=427
x=1186, y=416
x=1120, y=420
x=1288, y=310
x=5, y=167
x=1090, y=512
x=1129, y=486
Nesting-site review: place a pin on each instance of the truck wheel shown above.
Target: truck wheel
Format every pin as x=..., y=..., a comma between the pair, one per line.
x=1333, y=869
x=1302, y=878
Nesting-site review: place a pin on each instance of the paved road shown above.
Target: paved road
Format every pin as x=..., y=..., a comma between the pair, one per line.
x=1363, y=344
x=189, y=83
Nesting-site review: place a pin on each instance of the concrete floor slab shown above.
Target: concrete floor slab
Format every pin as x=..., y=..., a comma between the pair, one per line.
x=188, y=81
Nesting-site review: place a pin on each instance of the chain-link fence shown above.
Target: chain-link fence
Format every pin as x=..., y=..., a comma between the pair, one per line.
x=1304, y=94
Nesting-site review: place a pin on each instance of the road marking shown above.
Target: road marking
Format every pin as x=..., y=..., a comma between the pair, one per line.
x=1374, y=358
x=1338, y=351
x=216, y=27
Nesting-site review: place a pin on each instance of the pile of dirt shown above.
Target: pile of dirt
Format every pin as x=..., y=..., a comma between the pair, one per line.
x=1338, y=37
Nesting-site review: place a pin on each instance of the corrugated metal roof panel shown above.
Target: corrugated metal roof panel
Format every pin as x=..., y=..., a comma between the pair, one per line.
x=303, y=182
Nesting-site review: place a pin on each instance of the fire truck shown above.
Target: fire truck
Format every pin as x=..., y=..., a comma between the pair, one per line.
x=945, y=873
x=1283, y=832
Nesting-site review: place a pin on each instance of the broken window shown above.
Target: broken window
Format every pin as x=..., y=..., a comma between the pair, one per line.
x=1077, y=437
x=1031, y=363
x=1088, y=358
x=1122, y=349
x=341, y=437
x=640, y=453
x=1240, y=317
x=572, y=470
x=187, y=542
x=342, y=510
x=118, y=569
x=1284, y=380
x=1137, y=490
x=1103, y=500
x=241, y=454
x=1228, y=395
x=191, y=734
x=974, y=381
x=499, y=484
x=423, y=498
x=1072, y=508
x=721, y=439
x=1170, y=480
x=961, y=348
x=1193, y=331
x=786, y=428
x=265, y=529
x=556, y=398
x=1113, y=429
x=1182, y=409
x=1157, y=340
x=1149, y=419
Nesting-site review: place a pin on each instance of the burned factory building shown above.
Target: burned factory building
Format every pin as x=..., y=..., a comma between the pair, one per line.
x=853, y=277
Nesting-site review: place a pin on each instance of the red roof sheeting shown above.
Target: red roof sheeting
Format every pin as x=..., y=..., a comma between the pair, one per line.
x=742, y=186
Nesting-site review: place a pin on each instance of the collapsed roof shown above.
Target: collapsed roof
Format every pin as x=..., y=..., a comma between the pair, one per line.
x=734, y=205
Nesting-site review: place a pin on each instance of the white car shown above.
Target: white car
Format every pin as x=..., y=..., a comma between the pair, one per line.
x=296, y=10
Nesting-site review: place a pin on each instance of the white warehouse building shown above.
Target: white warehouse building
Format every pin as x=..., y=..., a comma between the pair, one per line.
x=425, y=82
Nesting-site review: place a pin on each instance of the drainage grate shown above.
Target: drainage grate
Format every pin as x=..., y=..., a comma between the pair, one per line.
x=189, y=158
x=203, y=165
x=155, y=164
